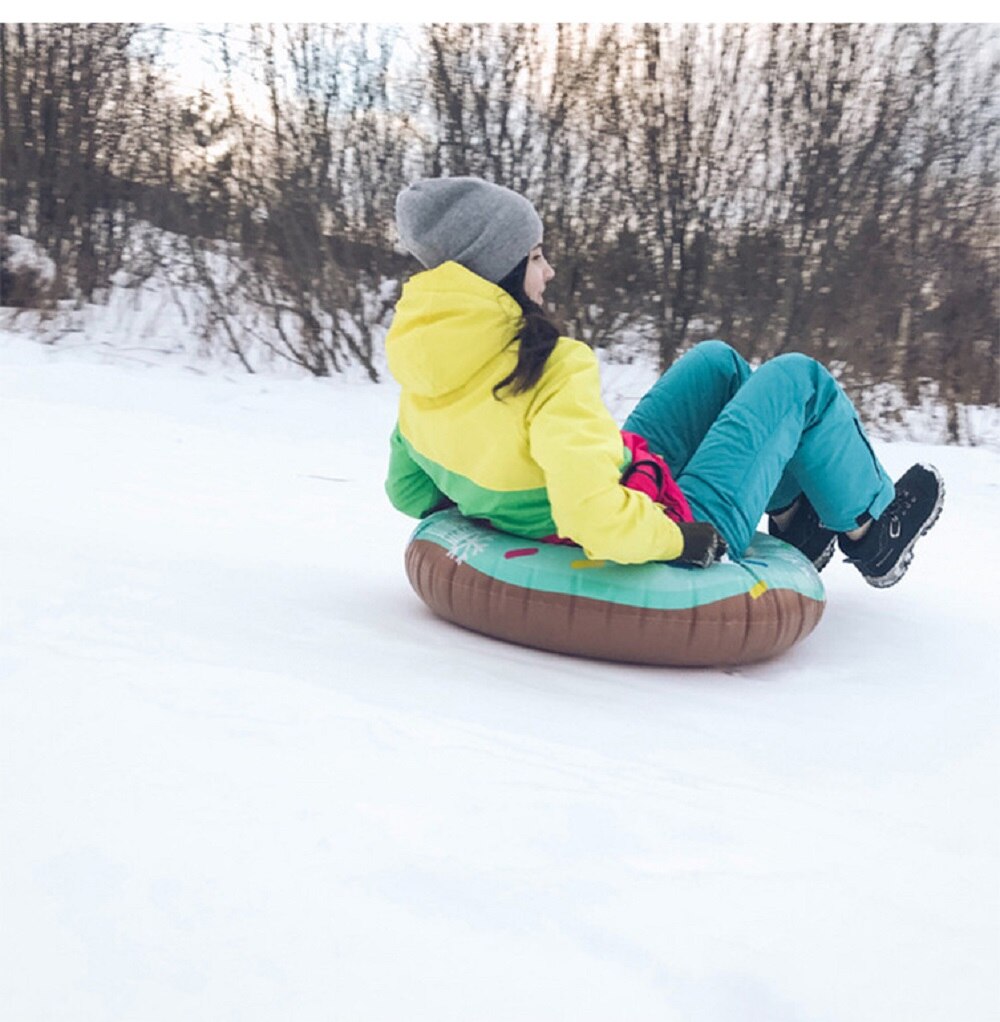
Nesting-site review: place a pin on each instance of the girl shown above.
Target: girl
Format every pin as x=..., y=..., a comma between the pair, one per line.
x=503, y=417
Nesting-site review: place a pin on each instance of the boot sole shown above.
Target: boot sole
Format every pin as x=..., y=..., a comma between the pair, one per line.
x=824, y=558
x=890, y=578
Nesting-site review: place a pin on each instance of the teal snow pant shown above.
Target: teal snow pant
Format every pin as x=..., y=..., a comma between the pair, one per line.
x=741, y=443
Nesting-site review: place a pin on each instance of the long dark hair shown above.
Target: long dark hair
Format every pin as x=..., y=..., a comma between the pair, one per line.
x=537, y=336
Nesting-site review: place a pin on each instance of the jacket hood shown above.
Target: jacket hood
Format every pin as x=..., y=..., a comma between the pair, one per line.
x=448, y=324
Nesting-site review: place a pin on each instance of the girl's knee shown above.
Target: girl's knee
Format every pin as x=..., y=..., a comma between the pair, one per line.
x=717, y=358
x=803, y=375
x=793, y=359
x=717, y=352
x=796, y=365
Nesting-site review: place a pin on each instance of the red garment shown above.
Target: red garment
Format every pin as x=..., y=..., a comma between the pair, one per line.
x=650, y=474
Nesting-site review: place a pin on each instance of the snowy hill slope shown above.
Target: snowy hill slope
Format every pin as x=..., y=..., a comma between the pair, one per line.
x=246, y=775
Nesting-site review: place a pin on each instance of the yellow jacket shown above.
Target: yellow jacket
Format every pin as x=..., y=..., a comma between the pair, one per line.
x=534, y=464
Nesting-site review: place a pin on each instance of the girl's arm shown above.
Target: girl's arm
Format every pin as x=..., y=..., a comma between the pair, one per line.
x=409, y=488
x=579, y=448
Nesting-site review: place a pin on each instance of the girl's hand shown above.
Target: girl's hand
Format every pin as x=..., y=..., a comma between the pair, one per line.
x=703, y=545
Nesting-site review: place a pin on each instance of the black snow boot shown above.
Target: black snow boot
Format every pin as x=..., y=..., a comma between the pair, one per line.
x=884, y=552
x=805, y=533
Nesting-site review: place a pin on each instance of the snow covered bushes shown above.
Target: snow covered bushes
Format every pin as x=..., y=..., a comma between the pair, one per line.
x=26, y=273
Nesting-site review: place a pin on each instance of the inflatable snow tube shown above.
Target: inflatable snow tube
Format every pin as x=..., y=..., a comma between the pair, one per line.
x=552, y=597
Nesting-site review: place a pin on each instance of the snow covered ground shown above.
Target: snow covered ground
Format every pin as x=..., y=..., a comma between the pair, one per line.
x=247, y=776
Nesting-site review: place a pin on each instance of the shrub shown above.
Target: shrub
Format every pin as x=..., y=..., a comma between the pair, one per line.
x=26, y=273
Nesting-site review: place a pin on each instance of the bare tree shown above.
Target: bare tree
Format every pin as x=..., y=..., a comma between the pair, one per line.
x=828, y=188
x=66, y=94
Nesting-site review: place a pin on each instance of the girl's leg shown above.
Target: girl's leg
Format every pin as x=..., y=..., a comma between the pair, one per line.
x=789, y=425
x=786, y=492
x=679, y=409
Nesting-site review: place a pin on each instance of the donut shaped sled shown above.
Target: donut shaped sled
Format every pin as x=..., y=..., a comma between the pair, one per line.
x=552, y=597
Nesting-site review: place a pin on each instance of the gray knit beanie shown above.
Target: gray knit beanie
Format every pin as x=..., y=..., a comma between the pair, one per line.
x=485, y=227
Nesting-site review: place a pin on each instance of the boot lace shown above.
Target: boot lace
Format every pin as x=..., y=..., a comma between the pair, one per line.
x=897, y=510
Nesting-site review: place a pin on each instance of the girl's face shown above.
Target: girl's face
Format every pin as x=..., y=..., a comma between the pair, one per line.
x=537, y=275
